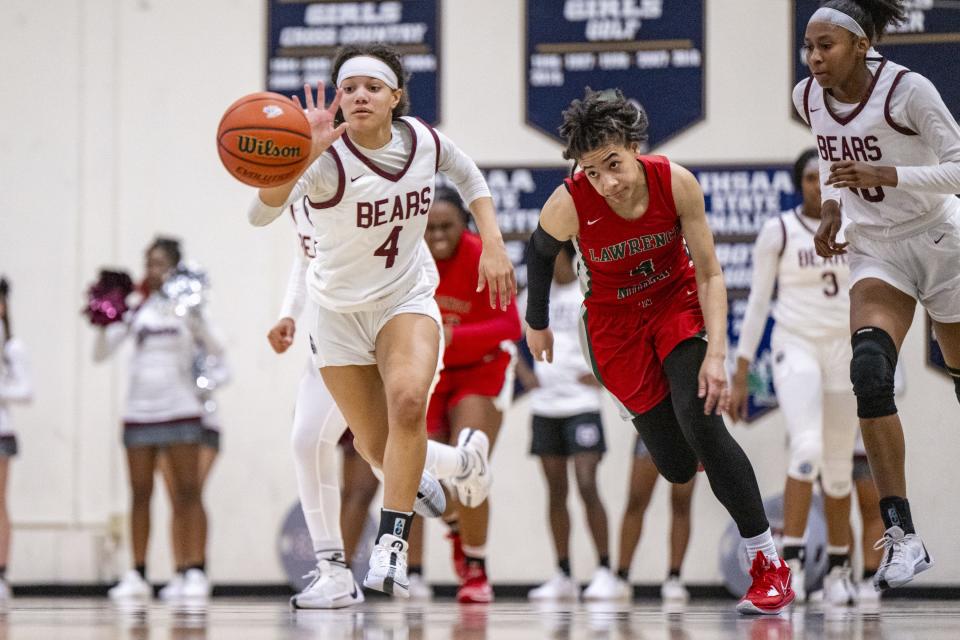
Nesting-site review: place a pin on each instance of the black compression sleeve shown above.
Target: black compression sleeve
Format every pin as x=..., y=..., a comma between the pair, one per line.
x=541, y=254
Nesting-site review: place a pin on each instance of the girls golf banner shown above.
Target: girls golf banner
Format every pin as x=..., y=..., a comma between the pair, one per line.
x=651, y=49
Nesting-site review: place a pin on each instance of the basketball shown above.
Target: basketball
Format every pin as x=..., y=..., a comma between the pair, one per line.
x=264, y=139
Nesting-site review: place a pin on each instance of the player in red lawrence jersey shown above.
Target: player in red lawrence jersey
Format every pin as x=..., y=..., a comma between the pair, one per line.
x=476, y=384
x=655, y=320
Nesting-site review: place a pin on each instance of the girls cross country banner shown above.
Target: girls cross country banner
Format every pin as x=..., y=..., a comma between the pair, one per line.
x=926, y=42
x=654, y=44
x=303, y=37
x=739, y=199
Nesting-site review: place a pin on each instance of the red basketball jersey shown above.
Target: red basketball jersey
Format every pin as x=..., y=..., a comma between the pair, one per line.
x=640, y=261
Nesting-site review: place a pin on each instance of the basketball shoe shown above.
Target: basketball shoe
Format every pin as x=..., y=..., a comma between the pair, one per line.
x=770, y=592
x=475, y=588
x=473, y=486
x=331, y=587
x=904, y=556
x=388, y=567
x=560, y=587
x=131, y=587
x=431, y=501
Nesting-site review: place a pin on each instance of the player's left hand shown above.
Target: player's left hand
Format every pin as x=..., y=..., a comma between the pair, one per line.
x=497, y=276
x=860, y=175
x=712, y=385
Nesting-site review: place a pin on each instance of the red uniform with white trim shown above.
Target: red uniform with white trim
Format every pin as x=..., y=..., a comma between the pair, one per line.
x=639, y=284
x=475, y=362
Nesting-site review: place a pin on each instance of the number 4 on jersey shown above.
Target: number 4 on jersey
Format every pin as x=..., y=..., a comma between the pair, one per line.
x=389, y=248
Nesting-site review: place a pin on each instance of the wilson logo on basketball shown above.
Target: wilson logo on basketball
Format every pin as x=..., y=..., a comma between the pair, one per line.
x=266, y=148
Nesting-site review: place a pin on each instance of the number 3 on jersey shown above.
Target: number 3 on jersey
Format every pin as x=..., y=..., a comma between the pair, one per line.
x=389, y=248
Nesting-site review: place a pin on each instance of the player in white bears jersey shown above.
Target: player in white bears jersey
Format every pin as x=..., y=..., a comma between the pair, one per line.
x=318, y=427
x=811, y=369
x=378, y=335
x=890, y=164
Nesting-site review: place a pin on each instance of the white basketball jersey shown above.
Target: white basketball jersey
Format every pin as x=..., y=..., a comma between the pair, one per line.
x=869, y=134
x=560, y=393
x=812, y=292
x=303, y=224
x=369, y=236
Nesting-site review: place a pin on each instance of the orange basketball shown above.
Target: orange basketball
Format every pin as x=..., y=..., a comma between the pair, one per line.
x=264, y=139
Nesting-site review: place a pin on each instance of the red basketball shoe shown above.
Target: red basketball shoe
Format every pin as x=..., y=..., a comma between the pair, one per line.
x=475, y=589
x=770, y=592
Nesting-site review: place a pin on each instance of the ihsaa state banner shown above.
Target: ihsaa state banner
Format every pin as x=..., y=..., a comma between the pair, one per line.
x=651, y=49
x=303, y=37
x=927, y=42
x=739, y=199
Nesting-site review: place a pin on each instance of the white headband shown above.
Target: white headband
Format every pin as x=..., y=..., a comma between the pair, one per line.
x=838, y=18
x=812, y=164
x=369, y=67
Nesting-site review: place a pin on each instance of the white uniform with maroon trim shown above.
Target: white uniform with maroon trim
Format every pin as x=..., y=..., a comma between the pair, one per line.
x=371, y=262
x=909, y=235
x=811, y=347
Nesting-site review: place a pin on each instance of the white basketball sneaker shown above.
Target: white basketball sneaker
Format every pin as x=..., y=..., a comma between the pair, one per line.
x=388, y=567
x=558, y=588
x=195, y=585
x=431, y=501
x=173, y=589
x=604, y=586
x=419, y=589
x=838, y=588
x=331, y=587
x=797, y=579
x=474, y=485
x=672, y=590
x=904, y=557
x=131, y=587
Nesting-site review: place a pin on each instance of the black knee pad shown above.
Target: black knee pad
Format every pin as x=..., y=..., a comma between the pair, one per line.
x=872, y=371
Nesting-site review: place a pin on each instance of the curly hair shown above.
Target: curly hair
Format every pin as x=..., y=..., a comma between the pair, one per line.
x=601, y=117
x=452, y=197
x=390, y=56
x=873, y=15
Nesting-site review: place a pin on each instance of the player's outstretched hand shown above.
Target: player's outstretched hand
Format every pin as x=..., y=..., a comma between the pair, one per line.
x=825, y=240
x=322, y=118
x=540, y=343
x=281, y=335
x=497, y=276
x=712, y=385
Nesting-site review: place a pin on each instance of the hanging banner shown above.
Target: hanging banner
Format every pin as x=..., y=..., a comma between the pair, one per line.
x=927, y=42
x=739, y=199
x=304, y=35
x=651, y=49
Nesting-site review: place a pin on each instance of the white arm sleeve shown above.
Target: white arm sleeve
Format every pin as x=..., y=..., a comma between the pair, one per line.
x=109, y=339
x=15, y=384
x=320, y=181
x=917, y=104
x=462, y=171
x=766, y=256
x=827, y=192
x=296, y=295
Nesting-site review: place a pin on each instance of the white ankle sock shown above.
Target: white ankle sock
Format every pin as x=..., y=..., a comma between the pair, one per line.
x=764, y=543
x=479, y=551
x=444, y=462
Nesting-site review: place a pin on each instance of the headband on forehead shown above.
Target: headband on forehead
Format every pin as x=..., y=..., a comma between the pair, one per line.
x=369, y=67
x=839, y=19
x=813, y=164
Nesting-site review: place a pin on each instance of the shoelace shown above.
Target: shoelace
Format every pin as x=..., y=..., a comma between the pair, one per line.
x=893, y=545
